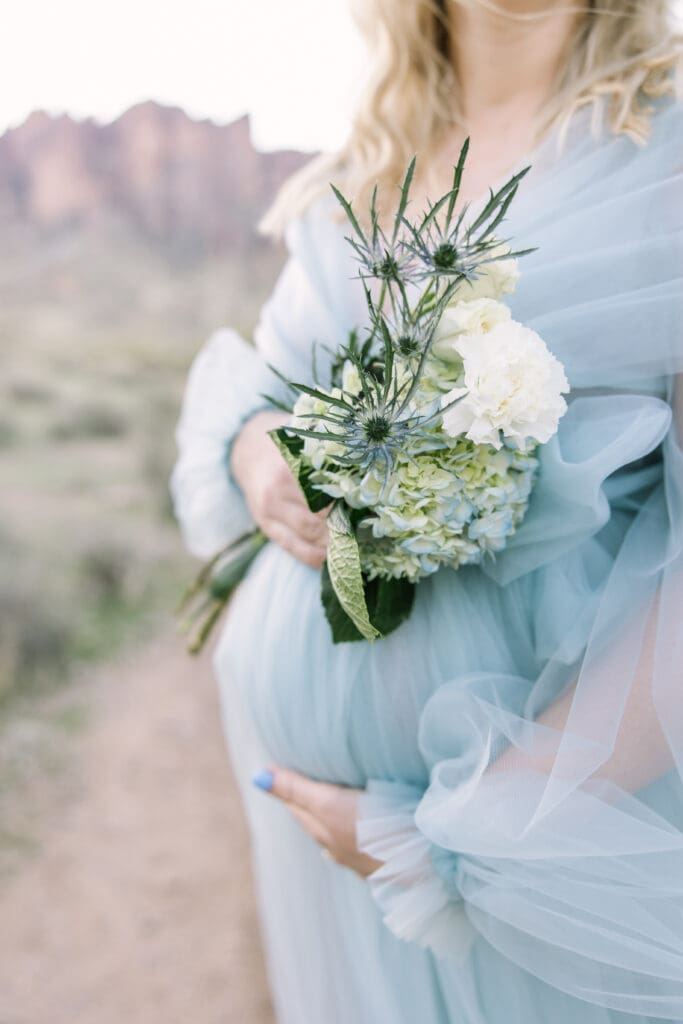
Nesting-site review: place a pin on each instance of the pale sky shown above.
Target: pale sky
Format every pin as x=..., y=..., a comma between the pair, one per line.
x=293, y=64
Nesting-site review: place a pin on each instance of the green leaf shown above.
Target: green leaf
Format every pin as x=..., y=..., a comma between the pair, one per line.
x=496, y=199
x=290, y=447
x=322, y=435
x=280, y=376
x=343, y=629
x=322, y=396
x=232, y=567
x=203, y=603
x=315, y=498
x=346, y=206
x=343, y=564
x=457, y=178
x=432, y=212
x=403, y=202
x=276, y=403
x=374, y=219
x=390, y=603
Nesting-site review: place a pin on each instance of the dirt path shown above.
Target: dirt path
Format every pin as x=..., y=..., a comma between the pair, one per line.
x=128, y=896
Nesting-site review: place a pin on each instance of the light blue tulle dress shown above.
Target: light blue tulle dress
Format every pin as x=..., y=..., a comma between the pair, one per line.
x=532, y=873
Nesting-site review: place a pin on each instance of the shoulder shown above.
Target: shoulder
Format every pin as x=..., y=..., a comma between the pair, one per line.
x=315, y=240
x=595, y=172
x=301, y=194
x=652, y=179
x=667, y=116
x=664, y=146
x=633, y=164
x=314, y=222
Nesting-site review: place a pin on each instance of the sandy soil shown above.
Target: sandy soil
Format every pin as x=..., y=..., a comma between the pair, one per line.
x=127, y=895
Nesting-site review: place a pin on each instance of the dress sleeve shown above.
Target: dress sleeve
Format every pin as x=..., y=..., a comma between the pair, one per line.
x=226, y=386
x=552, y=824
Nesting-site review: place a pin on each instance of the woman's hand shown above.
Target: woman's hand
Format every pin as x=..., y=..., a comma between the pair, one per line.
x=273, y=495
x=327, y=812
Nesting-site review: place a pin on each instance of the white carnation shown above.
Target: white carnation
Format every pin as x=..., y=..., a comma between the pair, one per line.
x=493, y=280
x=351, y=378
x=512, y=385
x=466, y=317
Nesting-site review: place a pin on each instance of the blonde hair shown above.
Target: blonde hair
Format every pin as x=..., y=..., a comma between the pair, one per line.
x=624, y=52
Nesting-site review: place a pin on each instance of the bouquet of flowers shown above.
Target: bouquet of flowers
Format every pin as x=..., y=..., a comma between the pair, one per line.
x=423, y=440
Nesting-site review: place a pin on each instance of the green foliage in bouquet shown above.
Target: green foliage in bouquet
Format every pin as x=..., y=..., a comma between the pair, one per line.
x=378, y=422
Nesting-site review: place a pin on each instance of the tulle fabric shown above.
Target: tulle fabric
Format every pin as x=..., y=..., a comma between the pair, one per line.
x=520, y=738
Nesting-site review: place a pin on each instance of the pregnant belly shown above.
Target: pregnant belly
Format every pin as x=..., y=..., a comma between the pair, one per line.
x=348, y=712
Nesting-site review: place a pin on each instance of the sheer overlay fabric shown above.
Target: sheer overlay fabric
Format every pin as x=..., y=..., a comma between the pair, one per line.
x=520, y=739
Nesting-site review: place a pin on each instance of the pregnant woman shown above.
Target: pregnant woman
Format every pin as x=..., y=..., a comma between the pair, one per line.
x=479, y=818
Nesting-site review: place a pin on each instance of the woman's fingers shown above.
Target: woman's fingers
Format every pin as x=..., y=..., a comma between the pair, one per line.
x=300, y=520
x=311, y=554
x=311, y=824
x=280, y=509
x=272, y=493
x=326, y=811
x=298, y=530
x=291, y=500
x=294, y=788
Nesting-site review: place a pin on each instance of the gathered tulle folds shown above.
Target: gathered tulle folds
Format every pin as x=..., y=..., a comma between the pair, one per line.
x=229, y=381
x=520, y=737
x=418, y=898
x=566, y=813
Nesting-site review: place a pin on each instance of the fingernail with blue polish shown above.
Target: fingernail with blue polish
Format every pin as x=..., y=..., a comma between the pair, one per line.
x=264, y=780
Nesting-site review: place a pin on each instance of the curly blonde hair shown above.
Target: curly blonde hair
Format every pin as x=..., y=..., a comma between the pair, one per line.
x=624, y=53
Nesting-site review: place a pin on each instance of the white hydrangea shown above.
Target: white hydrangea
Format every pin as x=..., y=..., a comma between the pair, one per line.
x=315, y=450
x=511, y=386
x=446, y=507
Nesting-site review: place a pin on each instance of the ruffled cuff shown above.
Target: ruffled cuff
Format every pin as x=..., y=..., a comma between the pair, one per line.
x=415, y=886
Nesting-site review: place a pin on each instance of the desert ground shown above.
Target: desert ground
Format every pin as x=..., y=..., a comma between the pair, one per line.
x=125, y=880
x=125, y=890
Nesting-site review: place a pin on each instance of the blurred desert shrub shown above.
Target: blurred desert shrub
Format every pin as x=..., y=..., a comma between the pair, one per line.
x=30, y=390
x=105, y=570
x=53, y=619
x=97, y=341
x=34, y=638
x=34, y=627
x=157, y=450
x=87, y=421
x=8, y=432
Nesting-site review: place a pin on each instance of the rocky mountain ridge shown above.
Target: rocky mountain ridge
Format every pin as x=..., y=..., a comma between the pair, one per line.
x=154, y=170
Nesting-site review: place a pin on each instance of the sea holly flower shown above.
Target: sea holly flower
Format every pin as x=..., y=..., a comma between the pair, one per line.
x=382, y=257
x=453, y=247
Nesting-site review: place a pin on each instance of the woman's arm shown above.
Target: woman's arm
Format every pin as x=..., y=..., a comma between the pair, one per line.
x=641, y=752
x=229, y=477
